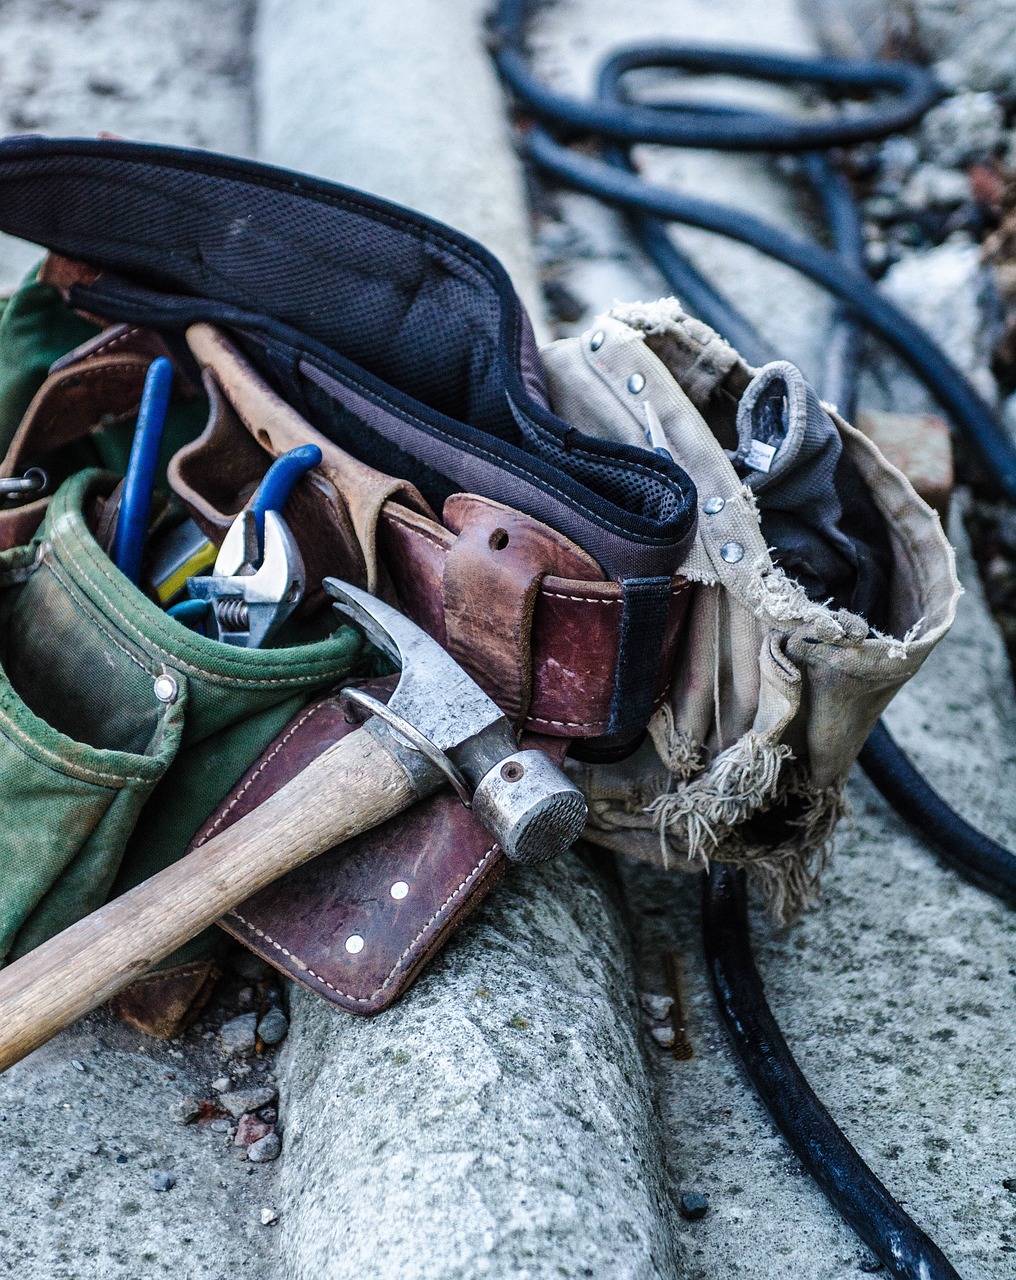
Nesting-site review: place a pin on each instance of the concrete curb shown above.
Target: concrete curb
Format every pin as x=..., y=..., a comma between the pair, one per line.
x=400, y=100
x=498, y=1121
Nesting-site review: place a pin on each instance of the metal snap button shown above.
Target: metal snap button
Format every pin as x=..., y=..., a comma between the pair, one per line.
x=731, y=552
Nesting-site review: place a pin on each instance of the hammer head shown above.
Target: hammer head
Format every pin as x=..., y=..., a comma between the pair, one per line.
x=532, y=807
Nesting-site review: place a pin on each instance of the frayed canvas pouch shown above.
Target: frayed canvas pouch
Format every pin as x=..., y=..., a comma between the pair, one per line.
x=822, y=583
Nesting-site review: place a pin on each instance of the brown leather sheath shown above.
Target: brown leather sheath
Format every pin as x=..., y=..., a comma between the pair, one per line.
x=528, y=613
x=357, y=924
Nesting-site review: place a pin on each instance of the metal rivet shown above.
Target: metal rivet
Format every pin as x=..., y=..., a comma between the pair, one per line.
x=399, y=890
x=166, y=688
x=354, y=944
x=596, y=341
x=731, y=552
x=635, y=383
x=713, y=506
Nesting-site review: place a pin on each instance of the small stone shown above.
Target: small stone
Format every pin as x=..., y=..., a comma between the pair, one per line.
x=78, y=1066
x=268, y=1216
x=238, y=1035
x=265, y=1149
x=694, y=1205
x=249, y=1130
x=221, y=1125
x=245, y=996
x=664, y=1036
x=222, y=1084
x=963, y=128
x=1009, y=1184
x=933, y=188
x=273, y=1027
x=880, y=209
x=185, y=1110
x=93, y=1148
x=242, y=1100
x=898, y=157
x=268, y=1114
x=656, y=1007
x=160, y=1180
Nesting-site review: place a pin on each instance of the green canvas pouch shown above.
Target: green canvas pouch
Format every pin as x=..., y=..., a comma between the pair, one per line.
x=120, y=729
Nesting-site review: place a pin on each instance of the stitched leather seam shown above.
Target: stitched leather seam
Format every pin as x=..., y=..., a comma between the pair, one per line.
x=111, y=343
x=415, y=528
x=568, y=724
x=258, y=771
x=398, y=963
x=152, y=979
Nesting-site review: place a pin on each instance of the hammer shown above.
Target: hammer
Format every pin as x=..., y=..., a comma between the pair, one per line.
x=438, y=726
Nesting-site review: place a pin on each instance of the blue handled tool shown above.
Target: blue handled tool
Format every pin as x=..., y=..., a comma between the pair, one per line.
x=258, y=578
x=273, y=492
x=136, y=502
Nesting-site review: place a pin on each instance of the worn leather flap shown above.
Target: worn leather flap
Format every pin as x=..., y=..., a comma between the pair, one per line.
x=398, y=890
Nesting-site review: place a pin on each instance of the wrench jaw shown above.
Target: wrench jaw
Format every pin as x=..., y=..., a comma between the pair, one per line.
x=246, y=609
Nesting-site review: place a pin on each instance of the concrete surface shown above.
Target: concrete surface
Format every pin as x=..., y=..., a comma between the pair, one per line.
x=569, y=39
x=971, y=40
x=86, y=1120
x=175, y=71
x=497, y=1122
x=399, y=99
x=76, y=1147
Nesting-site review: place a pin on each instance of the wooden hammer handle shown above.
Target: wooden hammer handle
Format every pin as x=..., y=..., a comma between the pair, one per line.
x=354, y=785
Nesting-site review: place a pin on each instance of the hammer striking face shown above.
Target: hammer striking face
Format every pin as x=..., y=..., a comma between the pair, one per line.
x=528, y=804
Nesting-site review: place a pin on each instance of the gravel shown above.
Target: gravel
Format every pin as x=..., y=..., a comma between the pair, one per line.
x=265, y=1149
x=239, y=1035
x=273, y=1027
x=251, y=1130
x=962, y=129
x=240, y=1101
x=693, y=1205
x=161, y=1180
x=654, y=1006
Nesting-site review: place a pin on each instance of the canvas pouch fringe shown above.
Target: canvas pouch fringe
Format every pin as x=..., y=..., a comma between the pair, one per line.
x=773, y=692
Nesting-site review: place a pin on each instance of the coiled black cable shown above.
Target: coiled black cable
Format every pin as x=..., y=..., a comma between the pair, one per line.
x=850, y=1186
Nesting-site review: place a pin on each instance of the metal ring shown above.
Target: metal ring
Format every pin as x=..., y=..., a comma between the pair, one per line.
x=34, y=482
x=415, y=739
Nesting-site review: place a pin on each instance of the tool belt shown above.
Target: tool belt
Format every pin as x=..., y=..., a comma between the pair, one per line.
x=560, y=573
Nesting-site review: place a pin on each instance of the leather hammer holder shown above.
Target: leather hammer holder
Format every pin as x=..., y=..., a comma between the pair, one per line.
x=528, y=613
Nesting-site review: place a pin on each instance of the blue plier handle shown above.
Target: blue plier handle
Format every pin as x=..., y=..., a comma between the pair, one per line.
x=273, y=492
x=136, y=500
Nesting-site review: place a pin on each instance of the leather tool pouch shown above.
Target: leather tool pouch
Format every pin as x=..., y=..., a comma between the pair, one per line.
x=427, y=366
x=525, y=610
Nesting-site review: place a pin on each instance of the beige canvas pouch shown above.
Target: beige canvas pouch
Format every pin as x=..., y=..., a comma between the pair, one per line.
x=773, y=693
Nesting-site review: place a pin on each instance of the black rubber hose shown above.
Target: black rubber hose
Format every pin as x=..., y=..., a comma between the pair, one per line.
x=972, y=854
x=686, y=124
x=910, y=342
x=849, y=1185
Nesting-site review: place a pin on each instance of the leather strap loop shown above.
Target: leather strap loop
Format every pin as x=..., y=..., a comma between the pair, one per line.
x=492, y=575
